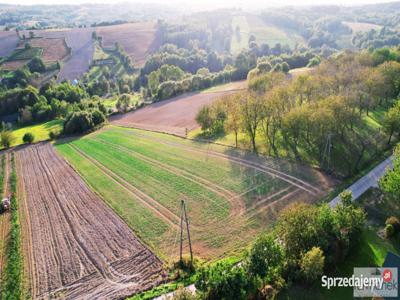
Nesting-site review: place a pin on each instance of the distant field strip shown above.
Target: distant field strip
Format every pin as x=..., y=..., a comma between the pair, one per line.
x=229, y=199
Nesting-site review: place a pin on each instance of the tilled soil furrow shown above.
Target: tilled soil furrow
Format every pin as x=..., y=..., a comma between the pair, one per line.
x=77, y=240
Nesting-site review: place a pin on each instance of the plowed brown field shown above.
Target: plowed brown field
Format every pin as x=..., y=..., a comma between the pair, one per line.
x=80, y=249
x=54, y=49
x=176, y=115
x=8, y=42
x=137, y=39
x=81, y=43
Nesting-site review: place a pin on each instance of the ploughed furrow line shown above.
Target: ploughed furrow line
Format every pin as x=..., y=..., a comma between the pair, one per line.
x=237, y=205
x=5, y=217
x=161, y=211
x=77, y=241
x=301, y=184
x=26, y=234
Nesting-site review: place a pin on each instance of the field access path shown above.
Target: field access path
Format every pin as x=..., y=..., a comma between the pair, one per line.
x=369, y=180
x=76, y=247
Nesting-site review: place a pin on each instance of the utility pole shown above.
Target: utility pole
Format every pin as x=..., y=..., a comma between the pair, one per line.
x=184, y=216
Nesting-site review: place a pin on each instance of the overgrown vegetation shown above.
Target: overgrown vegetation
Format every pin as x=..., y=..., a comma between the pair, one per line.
x=306, y=242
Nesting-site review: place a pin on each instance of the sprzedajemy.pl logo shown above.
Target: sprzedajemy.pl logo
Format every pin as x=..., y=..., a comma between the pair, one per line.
x=367, y=282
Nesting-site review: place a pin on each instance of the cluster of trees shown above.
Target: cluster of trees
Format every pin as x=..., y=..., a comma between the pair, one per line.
x=377, y=38
x=50, y=102
x=306, y=241
x=316, y=117
x=390, y=187
x=210, y=30
x=126, y=60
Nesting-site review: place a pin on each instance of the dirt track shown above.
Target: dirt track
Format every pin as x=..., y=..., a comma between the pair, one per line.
x=174, y=115
x=80, y=248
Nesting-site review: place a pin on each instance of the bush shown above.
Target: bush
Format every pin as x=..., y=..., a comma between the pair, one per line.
x=312, y=264
x=389, y=231
x=395, y=222
x=53, y=135
x=182, y=294
x=266, y=258
x=123, y=103
x=222, y=281
x=83, y=121
x=78, y=122
x=36, y=65
x=6, y=138
x=28, y=138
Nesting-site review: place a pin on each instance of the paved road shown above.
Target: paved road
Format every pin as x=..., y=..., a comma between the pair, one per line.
x=370, y=180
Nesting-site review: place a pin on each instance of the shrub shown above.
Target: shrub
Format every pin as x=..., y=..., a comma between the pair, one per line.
x=36, y=65
x=123, y=103
x=28, y=138
x=83, y=121
x=389, y=231
x=312, y=264
x=182, y=294
x=265, y=258
x=6, y=138
x=53, y=135
x=78, y=122
x=395, y=222
x=222, y=281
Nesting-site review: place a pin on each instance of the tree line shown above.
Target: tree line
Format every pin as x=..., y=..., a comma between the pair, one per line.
x=318, y=117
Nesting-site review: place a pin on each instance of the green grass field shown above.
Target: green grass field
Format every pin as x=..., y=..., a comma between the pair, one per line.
x=40, y=131
x=264, y=33
x=143, y=176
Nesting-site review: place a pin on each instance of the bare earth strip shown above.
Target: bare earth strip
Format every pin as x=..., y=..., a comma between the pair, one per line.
x=175, y=115
x=79, y=248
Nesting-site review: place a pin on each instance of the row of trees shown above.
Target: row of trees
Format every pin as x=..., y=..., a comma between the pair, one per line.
x=317, y=117
x=306, y=242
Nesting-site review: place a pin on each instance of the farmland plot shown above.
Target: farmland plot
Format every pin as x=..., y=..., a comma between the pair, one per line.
x=81, y=43
x=8, y=42
x=230, y=198
x=137, y=39
x=77, y=247
x=176, y=115
x=54, y=49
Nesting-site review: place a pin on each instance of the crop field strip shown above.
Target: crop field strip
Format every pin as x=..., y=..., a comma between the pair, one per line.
x=160, y=171
x=72, y=252
x=5, y=217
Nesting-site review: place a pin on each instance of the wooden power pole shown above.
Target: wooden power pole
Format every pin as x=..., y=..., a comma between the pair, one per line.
x=185, y=218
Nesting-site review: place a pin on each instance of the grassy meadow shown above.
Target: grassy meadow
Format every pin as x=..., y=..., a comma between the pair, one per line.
x=143, y=176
